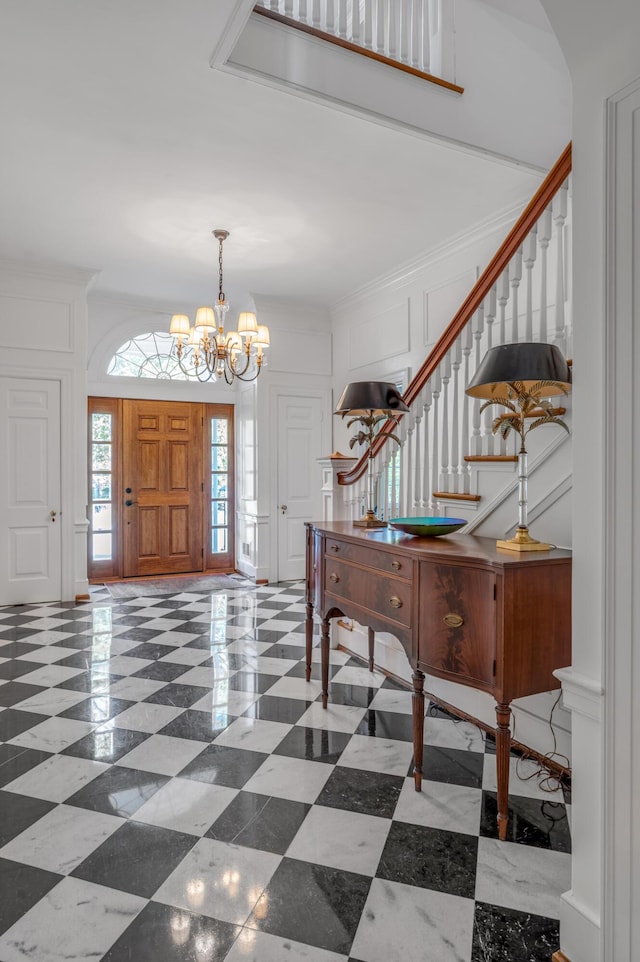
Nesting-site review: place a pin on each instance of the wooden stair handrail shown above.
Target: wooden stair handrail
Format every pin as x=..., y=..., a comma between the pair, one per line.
x=356, y=48
x=527, y=220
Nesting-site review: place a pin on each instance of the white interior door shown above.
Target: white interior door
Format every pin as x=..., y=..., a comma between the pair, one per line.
x=301, y=431
x=30, y=560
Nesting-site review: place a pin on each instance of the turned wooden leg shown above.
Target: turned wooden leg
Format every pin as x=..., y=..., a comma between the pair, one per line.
x=308, y=627
x=417, y=704
x=324, y=656
x=372, y=638
x=503, y=748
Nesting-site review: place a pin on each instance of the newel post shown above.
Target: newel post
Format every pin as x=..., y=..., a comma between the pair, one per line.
x=333, y=503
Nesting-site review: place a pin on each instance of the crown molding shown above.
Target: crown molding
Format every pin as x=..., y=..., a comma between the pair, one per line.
x=50, y=271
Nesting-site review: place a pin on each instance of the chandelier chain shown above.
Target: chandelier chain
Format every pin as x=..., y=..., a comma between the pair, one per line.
x=221, y=296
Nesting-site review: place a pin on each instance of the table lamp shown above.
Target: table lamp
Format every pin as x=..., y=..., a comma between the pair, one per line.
x=521, y=378
x=369, y=403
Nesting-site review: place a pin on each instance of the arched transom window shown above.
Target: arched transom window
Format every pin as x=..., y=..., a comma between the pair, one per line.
x=147, y=355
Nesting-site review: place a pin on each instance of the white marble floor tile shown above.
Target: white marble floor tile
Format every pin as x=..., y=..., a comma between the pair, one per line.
x=50, y=675
x=54, y=734
x=276, y=624
x=253, y=734
x=61, y=839
x=124, y=665
x=57, y=778
x=52, y=701
x=403, y=922
x=136, y=688
x=46, y=638
x=48, y=654
x=255, y=946
x=344, y=840
x=452, y=808
x=354, y=675
x=378, y=755
x=271, y=666
x=293, y=778
x=249, y=647
x=146, y=717
x=523, y=779
x=387, y=699
x=163, y=754
x=289, y=687
x=446, y=733
x=205, y=677
x=186, y=656
x=160, y=624
x=333, y=718
x=522, y=877
x=226, y=699
x=218, y=879
x=185, y=805
x=76, y=921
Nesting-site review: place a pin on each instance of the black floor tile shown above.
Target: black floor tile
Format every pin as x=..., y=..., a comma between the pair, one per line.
x=274, y=708
x=15, y=634
x=201, y=726
x=280, y=650
x=260, y=821
x=539, y=822
x=21, y=886
x=16, y=669
x=166, y=934
x=139, y=634
x=430, y=858
x=161, y=671
x=300, y=671
x=118, y=791
x=150, y=651
x=107, y=745
x=500, y=933
x=180, y=696
x=99, y=708
x=337, y=899
x=247, y=681
x=16, y=649
x=220, y=765
x=16, y=691
x=137, y=858
x=453, y=765
x=13, y=722
x=15, y=760
x=370, y=793
x=387, y=724
x=95, y=682
x=313, y=744
x=357, y=695
x=18, y=812
x=84, y=659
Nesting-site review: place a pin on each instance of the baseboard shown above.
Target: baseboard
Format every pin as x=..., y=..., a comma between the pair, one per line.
x=560, y=957
x=80, y=599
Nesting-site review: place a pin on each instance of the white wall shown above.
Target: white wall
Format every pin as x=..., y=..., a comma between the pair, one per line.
x=43, y=334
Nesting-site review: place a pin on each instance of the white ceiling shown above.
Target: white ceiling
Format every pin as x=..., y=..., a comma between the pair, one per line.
x=121, y=149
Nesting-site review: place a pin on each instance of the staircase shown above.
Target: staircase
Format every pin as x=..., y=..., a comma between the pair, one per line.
x=447, y=448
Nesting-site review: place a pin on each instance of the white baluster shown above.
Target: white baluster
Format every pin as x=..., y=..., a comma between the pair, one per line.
x=315, y=14
x=529, y=258
x=415, y=26
x=288, y=8
x=503, y=297
x=392, y=29
x=435, y=391
x=368, y=24
x=456, y=361
x=445, y=368
x=426, y=493
x=329, y=17
x=559, y=217
x=417, y=456
x=467, y=344
x=407, y=467
x=355, y=21
x=430, y=19
x=405, y=31
x=342, y=19
x=488, y=440
x=544, y=235
x=477, y=326
x=402, y=434
x=515, y=276
x=303, y=14
x=379, y=44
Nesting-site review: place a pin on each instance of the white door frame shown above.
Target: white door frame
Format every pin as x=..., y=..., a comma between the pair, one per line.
x=275, y=392
x=70, y=444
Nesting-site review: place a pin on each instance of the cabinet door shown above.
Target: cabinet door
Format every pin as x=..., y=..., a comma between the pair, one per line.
x=458, y=623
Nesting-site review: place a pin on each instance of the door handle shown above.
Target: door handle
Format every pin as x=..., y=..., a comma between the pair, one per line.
x=129, y=502
x=53, y=515
x=283, y=508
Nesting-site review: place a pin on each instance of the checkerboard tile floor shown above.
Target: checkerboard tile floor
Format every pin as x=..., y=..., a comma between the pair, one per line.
x=171, y=789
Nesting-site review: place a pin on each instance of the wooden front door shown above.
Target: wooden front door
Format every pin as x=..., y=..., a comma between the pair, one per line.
x=162, y=487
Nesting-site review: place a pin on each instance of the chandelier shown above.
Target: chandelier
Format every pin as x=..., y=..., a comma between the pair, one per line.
x=206, y=352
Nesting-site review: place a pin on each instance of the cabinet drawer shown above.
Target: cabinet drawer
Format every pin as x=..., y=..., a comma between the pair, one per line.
x=387, y=597
x=397, y=565
x=458, y=628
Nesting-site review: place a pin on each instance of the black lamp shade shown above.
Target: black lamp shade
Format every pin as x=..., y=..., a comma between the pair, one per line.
x=364, y=397
x=528, y=363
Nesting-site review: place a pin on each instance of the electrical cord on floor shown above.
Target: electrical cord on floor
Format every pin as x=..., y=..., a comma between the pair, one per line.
x=547, y=781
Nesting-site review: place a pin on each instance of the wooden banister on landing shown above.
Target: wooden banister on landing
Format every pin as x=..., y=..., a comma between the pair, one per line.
x=522, y=227
x=356, y=48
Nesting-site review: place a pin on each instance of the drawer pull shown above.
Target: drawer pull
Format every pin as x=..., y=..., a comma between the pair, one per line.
x=396, y=565
x=334, y=547
x=334, y=577
x=395, y=602
x=453, y=621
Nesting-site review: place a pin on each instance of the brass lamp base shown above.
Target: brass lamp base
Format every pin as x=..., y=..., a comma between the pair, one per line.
x=369, y=520
x=523, y=542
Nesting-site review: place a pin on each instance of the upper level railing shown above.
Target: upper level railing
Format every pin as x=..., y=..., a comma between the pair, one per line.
x=444, y=432
x=412, y=35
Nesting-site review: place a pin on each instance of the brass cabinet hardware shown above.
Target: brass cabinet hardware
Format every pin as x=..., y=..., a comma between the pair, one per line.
x=334, y=547
x=395, y=602
x=396, y=564
x=334, y=577
x=453, y=620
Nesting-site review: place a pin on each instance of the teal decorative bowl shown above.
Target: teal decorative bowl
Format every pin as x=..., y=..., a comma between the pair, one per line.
x=427, y=527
